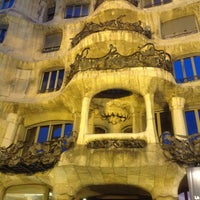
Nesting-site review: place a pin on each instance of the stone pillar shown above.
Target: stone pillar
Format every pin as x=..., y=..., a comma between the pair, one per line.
x=178, y=119
x=136, y=121
x=150, y=118
x=76, y=123
x=84, y=120
x=11, y=131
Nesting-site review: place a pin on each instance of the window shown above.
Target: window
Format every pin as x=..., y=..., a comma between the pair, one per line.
x=3, y=30
x=50, y=13
x=52, y=42
x=6, y=4
x=163, y=122
x=52, y=80
x=179, y=27
x=46, y=132
x=74, y=11
x=187, y=69
x=28, y=192
x=150, y=3
x=192, y=121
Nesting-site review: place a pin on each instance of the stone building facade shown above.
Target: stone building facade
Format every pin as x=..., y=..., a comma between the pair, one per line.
x=87, y=89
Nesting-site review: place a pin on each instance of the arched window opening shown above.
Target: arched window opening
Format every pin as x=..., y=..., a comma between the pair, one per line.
x=113, y=191
x=116, y=109
x=27, y=192
x=43, y=132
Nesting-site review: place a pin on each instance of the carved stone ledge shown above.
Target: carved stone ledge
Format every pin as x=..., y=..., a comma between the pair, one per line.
x=146, y=56
x=20, y=158
x=115, y=24
x=134, y=143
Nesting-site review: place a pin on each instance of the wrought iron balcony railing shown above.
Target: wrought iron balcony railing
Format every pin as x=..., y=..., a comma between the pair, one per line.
x=114, y=24
x=146, y=56
x=184, y=150
x=22, y=158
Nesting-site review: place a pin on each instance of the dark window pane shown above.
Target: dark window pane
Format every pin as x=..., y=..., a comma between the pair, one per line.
x=84, y=10
x=50, y=13
x=188, y=69
x=191, y=122
x=157, y=2
x=166, y=122
x=60, y=79
x=147, y=3
x=6, y=4
x=44, y=82
x=69, y=12
x=178, y=71
x=57, y=130
x=77, y=11
x=68, y=130
x=30, y=136
x=197, y=65
x=52, y=81
x=43, y=134
x=166, y=1
x=99, y=130
x=2, y=35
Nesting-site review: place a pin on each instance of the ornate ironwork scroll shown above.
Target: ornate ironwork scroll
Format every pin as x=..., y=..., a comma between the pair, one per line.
x=109, y=143
x=21, y=158
x=146, y=56
x=115, y=24
x=182, y=150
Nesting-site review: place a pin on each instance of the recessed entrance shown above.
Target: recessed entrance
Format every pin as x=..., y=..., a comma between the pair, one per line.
x=113, y=192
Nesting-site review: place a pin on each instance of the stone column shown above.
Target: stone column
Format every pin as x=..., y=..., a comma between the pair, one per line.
x=11, y=131
x=177, y=111
x=76, y=123
x=136, y=121
x=150, y=117
x=84, y=120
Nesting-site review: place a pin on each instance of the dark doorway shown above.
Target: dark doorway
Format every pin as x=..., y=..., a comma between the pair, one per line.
x=113, y=192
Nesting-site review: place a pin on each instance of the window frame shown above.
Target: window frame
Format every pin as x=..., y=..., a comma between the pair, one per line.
x=50, y=125
x=5, y=4
x=73, y=11
x=197, y=120
x=176, y=21
x=152, y=3
x=45, y=86
x=180, y=70
x=49, y=40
